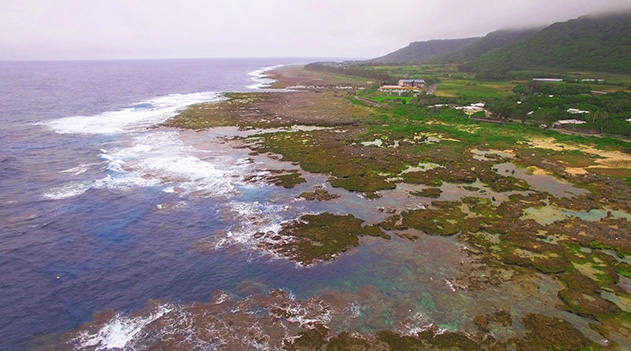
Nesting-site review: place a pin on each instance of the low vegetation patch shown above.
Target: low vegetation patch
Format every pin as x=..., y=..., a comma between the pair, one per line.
x=322, y=237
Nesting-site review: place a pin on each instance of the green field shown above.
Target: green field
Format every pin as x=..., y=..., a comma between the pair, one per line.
x=407, y=99
x=470, y=88
x=427, y=72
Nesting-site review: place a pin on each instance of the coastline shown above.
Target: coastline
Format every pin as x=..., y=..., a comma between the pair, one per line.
x=399, y=187
x=261, y=77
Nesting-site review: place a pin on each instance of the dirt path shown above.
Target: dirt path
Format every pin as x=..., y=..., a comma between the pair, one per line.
x=366, y=101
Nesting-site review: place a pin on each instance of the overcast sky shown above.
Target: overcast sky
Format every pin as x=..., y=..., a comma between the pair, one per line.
x=118, y=29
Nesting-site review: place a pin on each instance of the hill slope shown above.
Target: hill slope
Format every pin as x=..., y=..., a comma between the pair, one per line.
x=423, y=51
x=491, y=41
x=586, y=43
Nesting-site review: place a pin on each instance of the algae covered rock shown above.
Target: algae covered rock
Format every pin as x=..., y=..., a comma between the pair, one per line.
x=318, y=194
x=322, y=236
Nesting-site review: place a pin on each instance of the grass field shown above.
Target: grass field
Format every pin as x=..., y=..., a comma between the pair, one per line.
x=610, y=78
x=391, y=98
x=469, y=88
x=433, y=71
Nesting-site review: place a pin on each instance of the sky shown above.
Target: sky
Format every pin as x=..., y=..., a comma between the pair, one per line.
x=151, y=29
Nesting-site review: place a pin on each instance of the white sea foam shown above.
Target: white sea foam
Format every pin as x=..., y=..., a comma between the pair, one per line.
x=124, y=182
x=152, y=112
x=118, y=332
x=80, y=169
x=253, y=218
x=416, y=323
x=261, y=78
x=161, y=158
x=66, y=191
x=307, y=315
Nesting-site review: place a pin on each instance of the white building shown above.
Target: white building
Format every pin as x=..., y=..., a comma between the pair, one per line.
x=414, y=83
x=547, y=80
x=565, y=122
x=473, y=108
x=576, y=111
x=398, y=89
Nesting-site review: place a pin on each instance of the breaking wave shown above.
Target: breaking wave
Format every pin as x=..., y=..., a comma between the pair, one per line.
x=119, y=331
x=253, y=218
x=137, y=117
x=161, y=158
x=260, y=322
x=261, y=79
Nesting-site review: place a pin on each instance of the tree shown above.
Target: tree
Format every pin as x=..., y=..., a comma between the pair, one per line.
x=601, y=120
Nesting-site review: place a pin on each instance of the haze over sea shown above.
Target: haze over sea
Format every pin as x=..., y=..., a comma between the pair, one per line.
x=99, y=211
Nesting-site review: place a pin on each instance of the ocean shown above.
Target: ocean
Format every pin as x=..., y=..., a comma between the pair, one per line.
x=102, y=209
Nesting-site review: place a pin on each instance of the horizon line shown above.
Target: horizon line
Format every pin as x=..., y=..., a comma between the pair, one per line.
x=182, y=59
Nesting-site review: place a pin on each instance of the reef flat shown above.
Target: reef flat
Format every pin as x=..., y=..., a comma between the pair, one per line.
x=537, y=226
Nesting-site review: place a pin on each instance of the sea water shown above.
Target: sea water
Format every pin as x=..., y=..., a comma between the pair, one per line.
x=102, y=209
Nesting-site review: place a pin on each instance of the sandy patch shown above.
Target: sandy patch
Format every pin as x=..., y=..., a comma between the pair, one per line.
x=608, y=158
x=576, y=171
x=534, y=170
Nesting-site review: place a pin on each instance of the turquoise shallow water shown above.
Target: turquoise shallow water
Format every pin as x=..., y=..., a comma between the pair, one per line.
x=549, y=214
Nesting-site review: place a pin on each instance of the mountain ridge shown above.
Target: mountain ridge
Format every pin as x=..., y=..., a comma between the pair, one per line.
x=423, y=51
x=492, y=41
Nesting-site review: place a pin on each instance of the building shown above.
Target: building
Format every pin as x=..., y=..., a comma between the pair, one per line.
x=473, y=108
x=413, y=83
x=547, y=80
x=405, y=86
x=397, y=89
x=565, y=122
x=576, y=111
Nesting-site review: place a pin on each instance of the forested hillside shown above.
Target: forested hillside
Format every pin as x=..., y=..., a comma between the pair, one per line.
x=586, y=43
x=424, y=51
x=491, y=41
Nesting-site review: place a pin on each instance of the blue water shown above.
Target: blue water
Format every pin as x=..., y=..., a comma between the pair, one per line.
x=100, y=210
x=63, y=259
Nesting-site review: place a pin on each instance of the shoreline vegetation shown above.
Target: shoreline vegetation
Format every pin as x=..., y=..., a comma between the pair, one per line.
x=531, y=205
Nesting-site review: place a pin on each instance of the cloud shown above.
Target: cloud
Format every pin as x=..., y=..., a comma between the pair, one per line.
x=84, y=29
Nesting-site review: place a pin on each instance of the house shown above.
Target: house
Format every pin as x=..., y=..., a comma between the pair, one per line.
x=412, y=83
x=565, y=122
x=473, y=108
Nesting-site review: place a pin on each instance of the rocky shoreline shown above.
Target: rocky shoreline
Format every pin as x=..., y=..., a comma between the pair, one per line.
x=450, y=167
